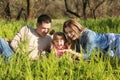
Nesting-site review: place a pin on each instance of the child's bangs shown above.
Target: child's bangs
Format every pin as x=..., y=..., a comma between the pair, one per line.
x=57, y=37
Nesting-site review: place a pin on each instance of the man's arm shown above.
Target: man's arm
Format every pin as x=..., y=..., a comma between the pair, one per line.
x=20, y=35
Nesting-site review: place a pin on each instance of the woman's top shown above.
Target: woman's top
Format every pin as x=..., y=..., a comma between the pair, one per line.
x=89, y=40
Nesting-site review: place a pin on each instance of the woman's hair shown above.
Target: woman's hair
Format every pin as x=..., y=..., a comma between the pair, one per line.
x=74, y=25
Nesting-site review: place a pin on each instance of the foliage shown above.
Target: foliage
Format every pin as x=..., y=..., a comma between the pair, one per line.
x=57, y=9
x=65, y=68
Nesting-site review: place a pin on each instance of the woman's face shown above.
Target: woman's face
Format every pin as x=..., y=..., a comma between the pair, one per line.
x=70, y=33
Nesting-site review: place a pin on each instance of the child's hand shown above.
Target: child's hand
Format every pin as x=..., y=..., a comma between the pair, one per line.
x=62, y=51
x=73, y=53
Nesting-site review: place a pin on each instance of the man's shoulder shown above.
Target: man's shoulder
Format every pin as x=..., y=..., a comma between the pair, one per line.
x=27, y=27
x=48, y=36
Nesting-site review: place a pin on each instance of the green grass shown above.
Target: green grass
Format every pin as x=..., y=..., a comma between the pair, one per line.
x=65, y=68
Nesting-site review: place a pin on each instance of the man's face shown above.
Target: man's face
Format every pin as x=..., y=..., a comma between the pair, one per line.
x=43, y=29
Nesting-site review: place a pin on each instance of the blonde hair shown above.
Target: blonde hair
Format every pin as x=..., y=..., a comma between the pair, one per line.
x=74, y=25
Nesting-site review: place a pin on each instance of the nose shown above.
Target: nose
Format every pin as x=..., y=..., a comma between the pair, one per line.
x=46, y=30
x=69, y=34
x=59, y=42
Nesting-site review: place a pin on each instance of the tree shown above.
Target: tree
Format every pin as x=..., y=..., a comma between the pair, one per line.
x=70, y=11
x=28, y=8
x=84, y=2
x=20, y=13
x=7, y=11
x=94, y=5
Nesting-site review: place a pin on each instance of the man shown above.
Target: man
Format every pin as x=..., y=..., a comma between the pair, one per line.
x=37, y=39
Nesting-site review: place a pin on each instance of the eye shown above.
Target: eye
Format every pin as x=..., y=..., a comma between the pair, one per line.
x=70, y=32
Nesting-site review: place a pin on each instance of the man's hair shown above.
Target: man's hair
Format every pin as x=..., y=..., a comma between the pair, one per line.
x=44, y=18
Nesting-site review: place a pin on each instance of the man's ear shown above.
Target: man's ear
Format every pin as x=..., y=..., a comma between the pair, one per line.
x=52, y=32
x=37, y=24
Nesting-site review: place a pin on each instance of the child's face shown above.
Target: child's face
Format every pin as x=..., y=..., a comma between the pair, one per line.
x=59, y=43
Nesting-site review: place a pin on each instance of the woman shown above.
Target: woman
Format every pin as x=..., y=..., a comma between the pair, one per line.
x=88, y=40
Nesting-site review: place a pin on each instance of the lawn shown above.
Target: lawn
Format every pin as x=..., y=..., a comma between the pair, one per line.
x=64, y=68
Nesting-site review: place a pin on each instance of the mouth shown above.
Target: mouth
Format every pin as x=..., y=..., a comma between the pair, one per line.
x=73, y=37
x=44, y=34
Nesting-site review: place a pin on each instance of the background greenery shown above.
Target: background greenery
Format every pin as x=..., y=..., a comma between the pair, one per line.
x=54, y=68
x=57, y=8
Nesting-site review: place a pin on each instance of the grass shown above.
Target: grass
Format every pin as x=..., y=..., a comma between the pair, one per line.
x=64, y=68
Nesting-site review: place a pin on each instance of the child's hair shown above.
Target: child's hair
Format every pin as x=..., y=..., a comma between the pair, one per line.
x=52, y=32
x=59, y=35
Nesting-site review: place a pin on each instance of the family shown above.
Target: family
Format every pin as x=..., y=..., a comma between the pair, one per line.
x=73, y=38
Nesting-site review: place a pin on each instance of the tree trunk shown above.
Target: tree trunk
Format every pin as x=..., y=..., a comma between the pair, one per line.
x=84, y=2
x=68, y=10
x=19, y=14
x=28, y=9
x=7, y=11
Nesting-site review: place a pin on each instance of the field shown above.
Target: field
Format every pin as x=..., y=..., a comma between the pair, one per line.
x=65, y=68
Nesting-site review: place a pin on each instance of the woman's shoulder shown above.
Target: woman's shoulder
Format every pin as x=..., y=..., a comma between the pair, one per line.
x=88, y=35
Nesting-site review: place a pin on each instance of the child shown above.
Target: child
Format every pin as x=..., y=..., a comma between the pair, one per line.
x=59, y=43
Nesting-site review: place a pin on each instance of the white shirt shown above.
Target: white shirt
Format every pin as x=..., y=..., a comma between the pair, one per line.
x=35, y=43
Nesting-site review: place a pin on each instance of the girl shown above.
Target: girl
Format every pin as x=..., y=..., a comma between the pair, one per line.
x=89, y=40
x=59, y=43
